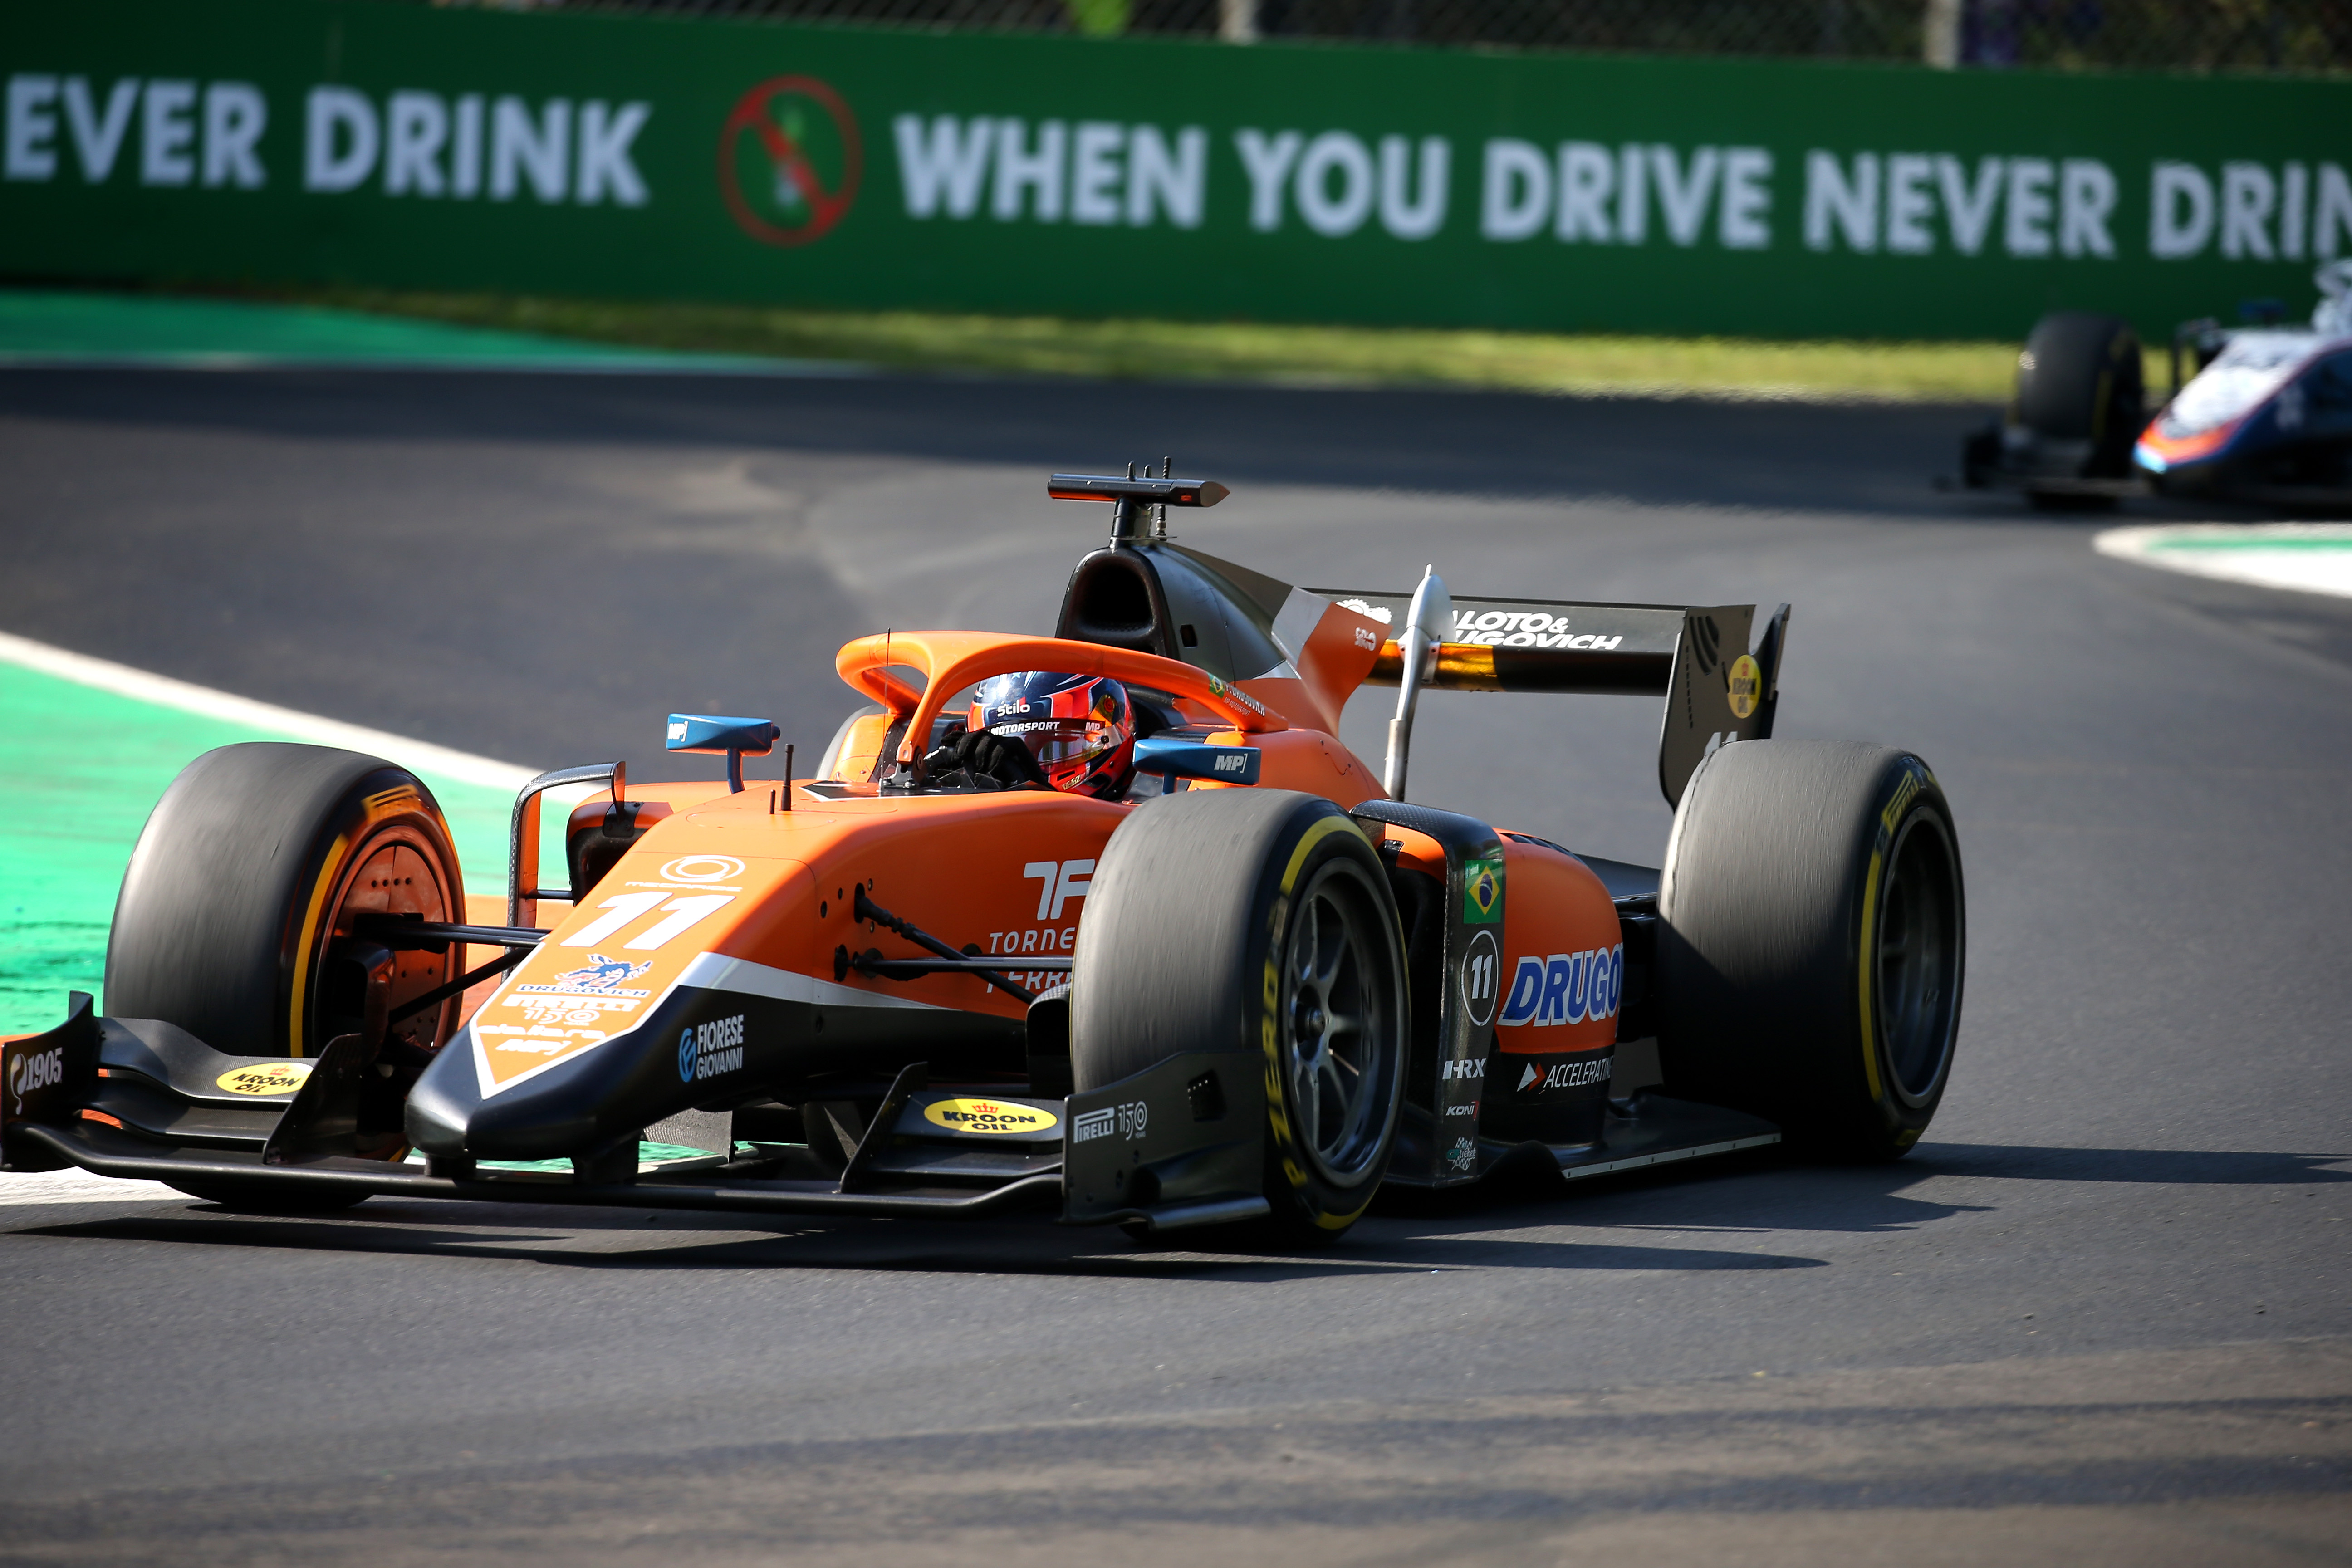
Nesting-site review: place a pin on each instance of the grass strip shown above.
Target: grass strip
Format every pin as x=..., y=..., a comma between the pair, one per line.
x=89, y=765
x=1148, y=350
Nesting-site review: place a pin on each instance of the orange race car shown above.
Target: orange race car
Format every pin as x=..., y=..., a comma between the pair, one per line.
x=1108, y=922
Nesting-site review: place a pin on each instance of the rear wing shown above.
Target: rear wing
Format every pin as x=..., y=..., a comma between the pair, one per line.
x=1698, y=659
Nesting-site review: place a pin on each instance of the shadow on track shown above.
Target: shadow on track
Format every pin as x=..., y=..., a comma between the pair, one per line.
x=1769, y=1191
x=1461, y=1229
x=2182, y=1167
x=1872, y=458
x=1005, y=1247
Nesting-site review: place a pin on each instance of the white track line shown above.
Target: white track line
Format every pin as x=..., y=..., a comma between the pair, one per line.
x=21, y=1189
x=2306, y=557
x=163, y=691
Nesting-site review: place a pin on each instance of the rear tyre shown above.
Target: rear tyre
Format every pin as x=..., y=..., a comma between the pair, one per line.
x=1256, y=921
x=1812, y=943
x=2079, y=379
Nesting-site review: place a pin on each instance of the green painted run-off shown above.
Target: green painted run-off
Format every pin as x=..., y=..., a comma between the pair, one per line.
x=57, y=325
x=79, y=770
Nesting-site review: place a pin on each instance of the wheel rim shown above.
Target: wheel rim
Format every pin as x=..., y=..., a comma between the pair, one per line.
x=1918, y=958
x=1341, y=1019
x=396, y=872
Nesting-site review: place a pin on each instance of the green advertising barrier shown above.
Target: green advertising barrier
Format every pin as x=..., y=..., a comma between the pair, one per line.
x=405, y=146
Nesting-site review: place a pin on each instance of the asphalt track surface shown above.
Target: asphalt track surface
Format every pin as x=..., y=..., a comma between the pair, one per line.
x=2099, y=1315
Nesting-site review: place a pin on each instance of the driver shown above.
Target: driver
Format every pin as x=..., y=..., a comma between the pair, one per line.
x=1073, y=732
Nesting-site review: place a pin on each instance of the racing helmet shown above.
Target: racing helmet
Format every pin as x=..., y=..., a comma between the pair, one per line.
x=1080, y=728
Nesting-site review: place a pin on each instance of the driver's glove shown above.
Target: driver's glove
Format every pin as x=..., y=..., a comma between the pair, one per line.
x=989, y=760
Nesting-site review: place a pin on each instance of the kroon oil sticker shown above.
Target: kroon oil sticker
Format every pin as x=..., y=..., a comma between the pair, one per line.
x=275, y=1077
x=1744, y=684
x=988, y=1116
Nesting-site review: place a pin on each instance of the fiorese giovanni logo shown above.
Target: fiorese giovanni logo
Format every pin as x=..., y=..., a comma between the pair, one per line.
x=790, y=160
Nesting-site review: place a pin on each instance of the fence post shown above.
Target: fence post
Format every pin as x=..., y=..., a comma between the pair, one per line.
x=1939, y=34
x=1237, y=21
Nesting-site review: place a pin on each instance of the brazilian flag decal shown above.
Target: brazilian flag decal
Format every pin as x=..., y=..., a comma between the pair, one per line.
x=1482, y=892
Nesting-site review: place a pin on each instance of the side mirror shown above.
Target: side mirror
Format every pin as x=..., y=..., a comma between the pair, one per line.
x=1173, y=759
x=710, y=735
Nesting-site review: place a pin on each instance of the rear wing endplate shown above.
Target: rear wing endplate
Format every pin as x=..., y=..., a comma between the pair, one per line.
x=1717, y=688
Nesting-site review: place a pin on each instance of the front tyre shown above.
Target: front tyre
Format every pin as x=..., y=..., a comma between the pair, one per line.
x=1257, y=920
x=243, y=920
x=238, y=919
x=1812, y=944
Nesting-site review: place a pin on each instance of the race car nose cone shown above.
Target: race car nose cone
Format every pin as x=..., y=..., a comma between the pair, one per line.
x=444, y=1100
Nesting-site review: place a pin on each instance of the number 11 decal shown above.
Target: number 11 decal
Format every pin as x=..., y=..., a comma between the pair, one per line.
x=684, y=914
x=1482, y=969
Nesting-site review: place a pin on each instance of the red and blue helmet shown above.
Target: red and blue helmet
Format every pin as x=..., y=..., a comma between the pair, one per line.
x=1080, y=728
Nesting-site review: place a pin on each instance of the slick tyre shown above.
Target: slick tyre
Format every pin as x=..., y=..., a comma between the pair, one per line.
x=1255, y=921
x=2079, y=379
x=236, y=917
x=1812, y=941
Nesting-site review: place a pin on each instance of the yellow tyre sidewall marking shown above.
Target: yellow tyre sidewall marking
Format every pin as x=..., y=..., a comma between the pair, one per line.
x=1277, y=1119
x=1906, y=793
x=375, y=810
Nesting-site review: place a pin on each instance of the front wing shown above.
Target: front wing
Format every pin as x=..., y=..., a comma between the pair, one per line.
x=1175, y=1146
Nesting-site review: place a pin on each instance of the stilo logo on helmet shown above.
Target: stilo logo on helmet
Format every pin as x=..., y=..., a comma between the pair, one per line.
x=1080, y=728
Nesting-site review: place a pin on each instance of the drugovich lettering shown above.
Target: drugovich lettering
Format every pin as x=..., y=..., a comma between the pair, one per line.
x=1565, y=988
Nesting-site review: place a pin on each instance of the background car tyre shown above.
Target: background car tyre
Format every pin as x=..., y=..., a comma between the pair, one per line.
x=1812, y=943
x=2079, y=379
x=1256, y=921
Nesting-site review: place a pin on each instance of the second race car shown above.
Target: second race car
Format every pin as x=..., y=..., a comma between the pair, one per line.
x=2265, y=417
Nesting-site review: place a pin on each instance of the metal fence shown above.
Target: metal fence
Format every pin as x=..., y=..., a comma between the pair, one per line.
x=2299, y=36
